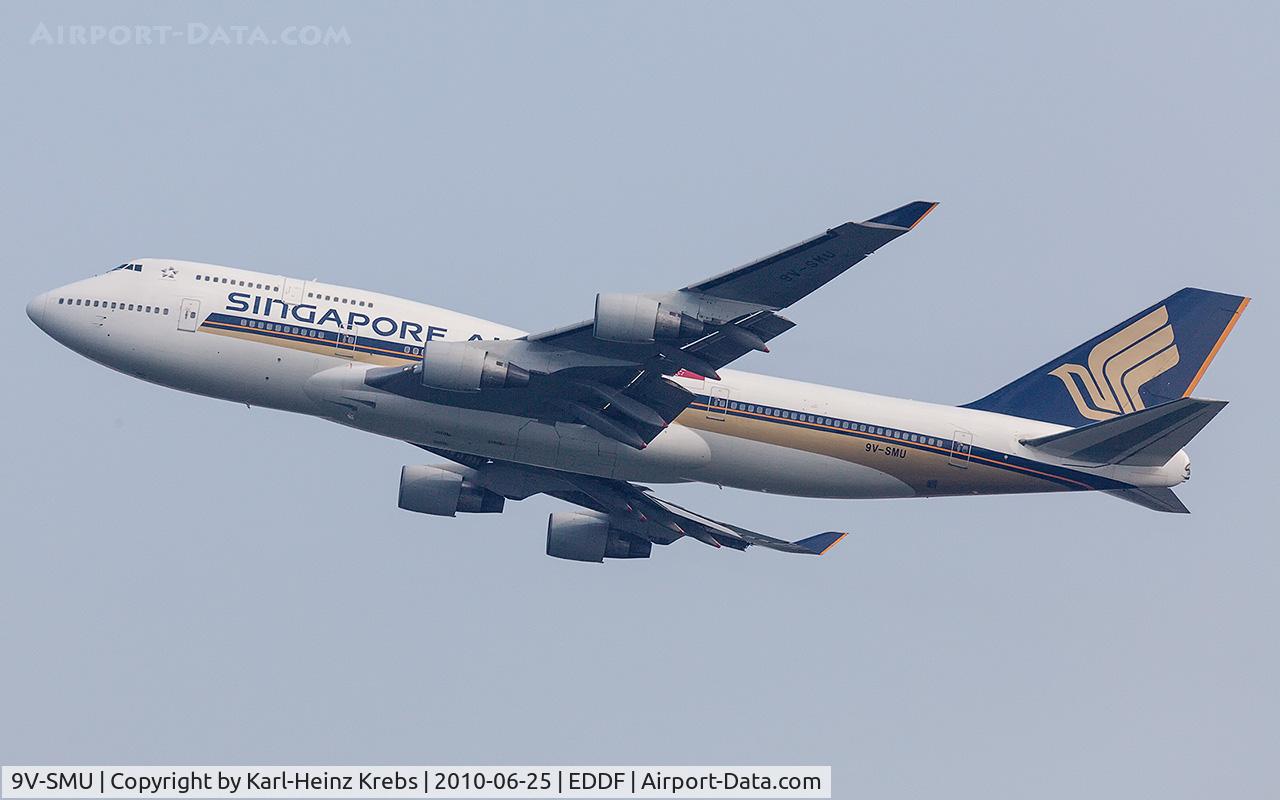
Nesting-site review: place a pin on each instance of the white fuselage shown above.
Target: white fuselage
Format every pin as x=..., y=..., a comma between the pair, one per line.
x=304, y=346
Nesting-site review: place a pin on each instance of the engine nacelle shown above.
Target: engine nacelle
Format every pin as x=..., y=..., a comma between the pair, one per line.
x=462, y=367
x=431, y=490
x=636, y=318
x=589, y=537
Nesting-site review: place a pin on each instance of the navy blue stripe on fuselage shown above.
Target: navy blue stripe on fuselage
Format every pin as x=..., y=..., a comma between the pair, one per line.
x=1069, y=478
x=288, y=332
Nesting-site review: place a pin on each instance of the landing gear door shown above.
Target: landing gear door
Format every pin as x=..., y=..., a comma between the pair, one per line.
x=189, y=315
x=717, y=403
x=961, y=449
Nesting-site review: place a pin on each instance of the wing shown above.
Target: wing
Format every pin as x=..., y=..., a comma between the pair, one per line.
x=631, y=511
x=787, y=276
x=611, y=373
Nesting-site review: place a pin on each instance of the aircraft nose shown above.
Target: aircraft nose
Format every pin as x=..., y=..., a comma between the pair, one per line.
x=35, y=309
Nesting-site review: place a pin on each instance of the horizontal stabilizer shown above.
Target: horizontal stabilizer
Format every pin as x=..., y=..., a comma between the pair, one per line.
x=1156, y=498
x=1146, y=438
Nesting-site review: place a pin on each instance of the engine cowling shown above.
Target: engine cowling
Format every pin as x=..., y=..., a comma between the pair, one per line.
x=589, y=537
x=636, y=318
x=462, y=367
x=431, y=490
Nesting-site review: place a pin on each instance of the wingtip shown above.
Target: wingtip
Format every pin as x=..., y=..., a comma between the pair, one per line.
x=821, y=543
x=905, y=217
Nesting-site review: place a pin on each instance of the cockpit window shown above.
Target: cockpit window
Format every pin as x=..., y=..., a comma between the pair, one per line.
x=134, y=267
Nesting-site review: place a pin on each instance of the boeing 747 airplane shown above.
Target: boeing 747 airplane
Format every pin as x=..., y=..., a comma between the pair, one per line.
x=639, y=393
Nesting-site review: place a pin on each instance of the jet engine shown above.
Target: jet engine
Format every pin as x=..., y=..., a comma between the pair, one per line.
x=636, y=318
x=432, y=490
x=462, y=367
x=589, y=537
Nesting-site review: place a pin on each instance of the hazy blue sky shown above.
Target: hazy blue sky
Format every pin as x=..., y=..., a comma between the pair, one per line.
x=187, y=581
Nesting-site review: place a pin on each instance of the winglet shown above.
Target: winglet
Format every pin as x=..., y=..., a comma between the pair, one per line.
x=821, y=543
x=906, y=217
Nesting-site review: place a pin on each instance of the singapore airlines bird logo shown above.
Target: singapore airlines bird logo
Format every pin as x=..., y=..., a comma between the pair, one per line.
x=1119, y=366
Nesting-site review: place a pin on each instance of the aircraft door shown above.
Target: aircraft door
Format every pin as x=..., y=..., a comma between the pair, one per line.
x=189, y=314
x=345, y=346
x=294, y=290
x=961, y=449
x=717, y=403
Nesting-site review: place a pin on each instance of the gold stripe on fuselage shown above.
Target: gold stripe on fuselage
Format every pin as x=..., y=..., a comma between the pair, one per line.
x=927, y=469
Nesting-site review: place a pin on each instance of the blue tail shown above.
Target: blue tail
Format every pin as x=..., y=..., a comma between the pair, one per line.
x=1156, y=356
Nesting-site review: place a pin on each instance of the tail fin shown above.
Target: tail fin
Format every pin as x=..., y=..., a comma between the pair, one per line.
x=1156, y=356
x=1146, y=438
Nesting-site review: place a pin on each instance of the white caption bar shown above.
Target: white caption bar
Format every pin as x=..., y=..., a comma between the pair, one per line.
x=185, y=783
